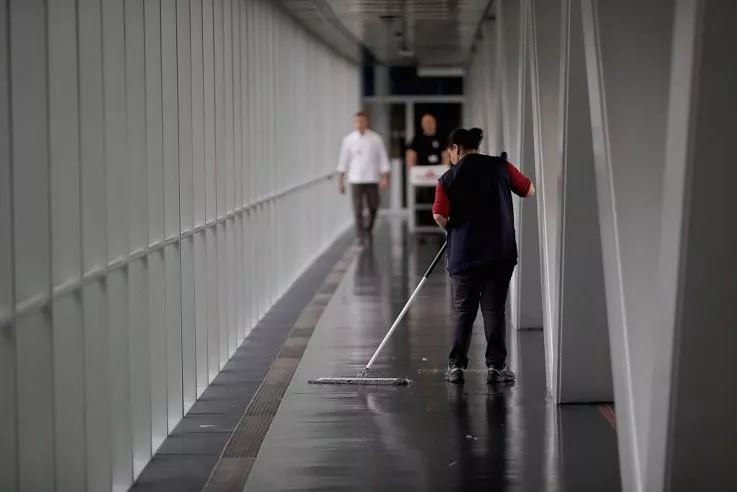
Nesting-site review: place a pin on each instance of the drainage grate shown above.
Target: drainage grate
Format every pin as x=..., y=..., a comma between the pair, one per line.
x=234, y=466
x=247, y=438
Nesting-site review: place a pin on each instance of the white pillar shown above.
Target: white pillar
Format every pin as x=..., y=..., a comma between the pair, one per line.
x=628, y=60
x=574, y=317
x=692, y=426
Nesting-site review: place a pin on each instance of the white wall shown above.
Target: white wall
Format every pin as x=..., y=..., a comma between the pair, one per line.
x=632, y=117
x=164, y=178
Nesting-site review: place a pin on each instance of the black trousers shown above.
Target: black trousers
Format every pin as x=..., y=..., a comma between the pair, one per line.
x=368, y=193
x=487, y=286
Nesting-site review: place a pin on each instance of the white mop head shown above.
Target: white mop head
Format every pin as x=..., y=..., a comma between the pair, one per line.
x=360, y=380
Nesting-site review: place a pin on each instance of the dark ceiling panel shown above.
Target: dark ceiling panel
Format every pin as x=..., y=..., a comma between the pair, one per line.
x=396, y=32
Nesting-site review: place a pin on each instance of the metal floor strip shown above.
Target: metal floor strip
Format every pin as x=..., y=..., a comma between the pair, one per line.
x=232, y=469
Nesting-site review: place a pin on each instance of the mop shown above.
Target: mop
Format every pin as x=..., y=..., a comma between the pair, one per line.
x=361, y=378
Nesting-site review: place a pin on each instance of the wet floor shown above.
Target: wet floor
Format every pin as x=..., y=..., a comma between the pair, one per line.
x=431, y=435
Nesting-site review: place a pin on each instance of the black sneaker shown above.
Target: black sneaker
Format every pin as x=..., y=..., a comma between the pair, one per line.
x=503, y=375
x=454, y=374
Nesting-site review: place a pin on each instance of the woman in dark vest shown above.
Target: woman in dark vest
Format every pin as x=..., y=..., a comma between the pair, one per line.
x=473, y=203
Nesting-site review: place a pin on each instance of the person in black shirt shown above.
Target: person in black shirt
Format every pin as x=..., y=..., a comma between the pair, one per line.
x=426, y=149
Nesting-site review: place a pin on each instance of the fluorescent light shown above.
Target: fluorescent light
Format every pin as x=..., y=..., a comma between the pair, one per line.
x=440, y=71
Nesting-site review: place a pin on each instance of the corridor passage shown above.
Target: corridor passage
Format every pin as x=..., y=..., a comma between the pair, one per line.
x=431, y=435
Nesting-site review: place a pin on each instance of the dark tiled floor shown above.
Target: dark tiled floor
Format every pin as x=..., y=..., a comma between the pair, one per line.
x=186, y=458
x=430, y=435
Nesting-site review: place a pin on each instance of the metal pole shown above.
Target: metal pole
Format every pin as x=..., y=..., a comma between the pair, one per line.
x=404, y=309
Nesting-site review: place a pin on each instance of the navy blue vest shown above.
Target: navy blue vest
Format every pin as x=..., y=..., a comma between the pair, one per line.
x=481, y=223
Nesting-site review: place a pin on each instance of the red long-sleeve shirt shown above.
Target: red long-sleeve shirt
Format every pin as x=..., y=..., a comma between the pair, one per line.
x=519, y=182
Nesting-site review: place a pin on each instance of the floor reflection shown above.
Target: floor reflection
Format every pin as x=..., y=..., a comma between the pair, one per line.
x=430, y=435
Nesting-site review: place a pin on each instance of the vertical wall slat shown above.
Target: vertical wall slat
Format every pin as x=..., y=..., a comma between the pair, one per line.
x=186, y=201
x=31, y=234
x=155, y=186
x=229, y=171
x=208, y=43
x=140, y=362
x=66, y=246
x=8, y=413
x=157, y=324
x=94, y=249
x=116, y=166
x=172, y=227
x=220, y=180
x=199, y=203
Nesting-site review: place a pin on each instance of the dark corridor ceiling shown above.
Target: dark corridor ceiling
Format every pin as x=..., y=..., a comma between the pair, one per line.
x=396, y=32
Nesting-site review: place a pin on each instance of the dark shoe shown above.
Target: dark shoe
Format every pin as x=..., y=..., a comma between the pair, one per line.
x=454, y=374
x=503, y=375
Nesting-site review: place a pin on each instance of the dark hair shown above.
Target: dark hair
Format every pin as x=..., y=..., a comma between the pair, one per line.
x=503, y=155
x=360, y=114
x=466, y=139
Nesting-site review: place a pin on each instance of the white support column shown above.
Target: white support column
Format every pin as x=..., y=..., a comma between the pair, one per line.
x=527, y=296
x=544, y=37
x=582, y=368
x=524, y=293
x=628, y=119
x=692, y=424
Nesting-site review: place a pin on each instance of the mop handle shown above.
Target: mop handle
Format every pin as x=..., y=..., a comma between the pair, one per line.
x=406, y=307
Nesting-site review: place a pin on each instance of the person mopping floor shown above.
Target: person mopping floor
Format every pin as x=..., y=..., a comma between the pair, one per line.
x=473, y=203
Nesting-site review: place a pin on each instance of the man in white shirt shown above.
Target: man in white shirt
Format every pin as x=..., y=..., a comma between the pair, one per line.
x=363, y=158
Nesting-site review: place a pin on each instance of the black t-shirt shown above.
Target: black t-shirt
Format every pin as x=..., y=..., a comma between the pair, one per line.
x=429, y=149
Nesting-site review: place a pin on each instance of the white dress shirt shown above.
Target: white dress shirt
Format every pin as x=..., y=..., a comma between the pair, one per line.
x=363, y=158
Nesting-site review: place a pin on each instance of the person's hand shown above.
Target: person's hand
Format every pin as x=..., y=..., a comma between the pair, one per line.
x=384, y=182
x=341, y=186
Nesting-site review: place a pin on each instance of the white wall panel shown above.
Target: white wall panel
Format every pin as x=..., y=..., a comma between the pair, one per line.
x=116, y=165
x=67, y=329
x=135, y=85
x=630, y=156
x=153, y=220
x=189, y=344
x=8, y=404
x=97, y=394
x=119, y=383
x=209, y=113
x=198, y=120
x=30, y=149
x=583, y=363
x=31, y=235
x=186, y=201
x=35, y=402
x=201, y=320
x=184, y=110
x=173, y=315
x=92, y=145
x=138, y=342
x=172, y=227
x=154, y=122
x=170, y=103
x=64, y=142
x=68, y=367
x=140, y=364
x=157, y=351
x=213, y=317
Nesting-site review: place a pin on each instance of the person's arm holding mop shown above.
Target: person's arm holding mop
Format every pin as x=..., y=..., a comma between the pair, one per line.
x=441, y=207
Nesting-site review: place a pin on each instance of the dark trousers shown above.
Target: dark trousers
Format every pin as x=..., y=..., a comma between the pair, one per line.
x=367, y=193
x=487, y=286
